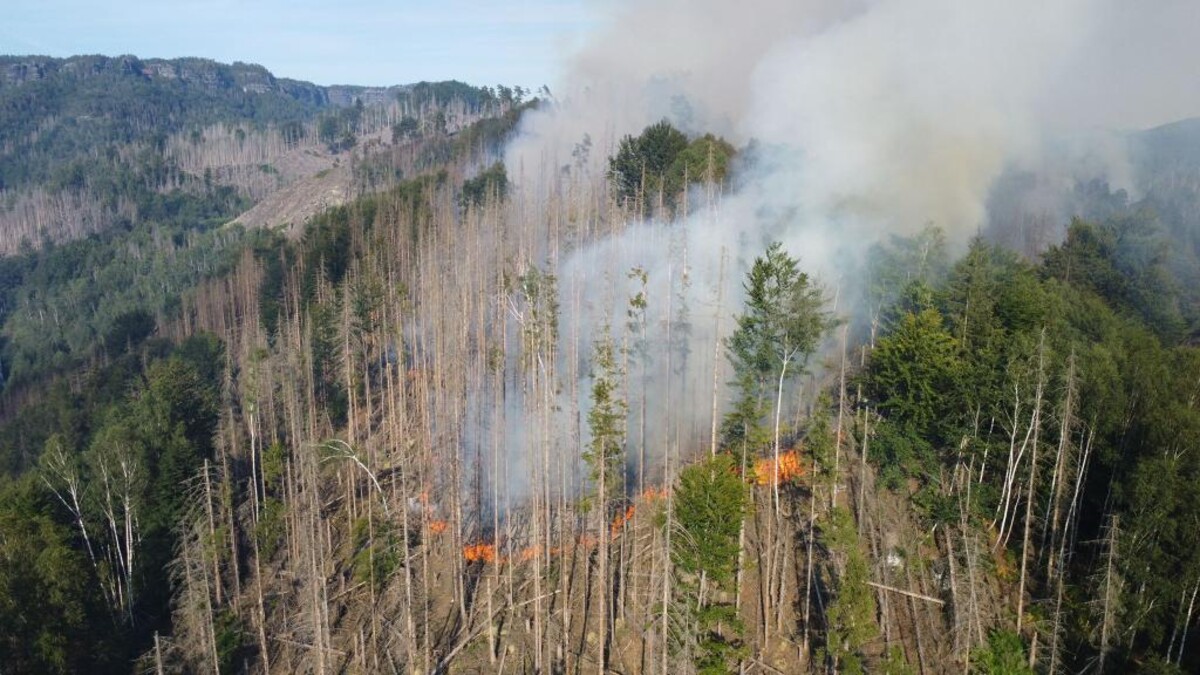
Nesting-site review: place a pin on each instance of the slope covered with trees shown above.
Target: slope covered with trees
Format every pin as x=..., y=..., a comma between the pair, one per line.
x=106, y=424
x=398, y=441
x=123, y=176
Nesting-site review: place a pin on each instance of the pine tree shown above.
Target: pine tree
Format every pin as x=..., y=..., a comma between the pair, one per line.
x=710, y=503
x=851, y=615
x=605, y=456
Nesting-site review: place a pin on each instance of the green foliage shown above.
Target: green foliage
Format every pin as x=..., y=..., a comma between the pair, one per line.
x=490, y=184
x=423, y=94
x=128, y=330
x=902, y=272
x=661, y=161
x=743, y=426
x=489, y=135
x=819, y=440
x=274, y=260
x=272, y=523
x=147, y=419
x=50, y=620
x=405, y=129
x=990, y=299
x=539, y=292
x=899, y=453
x=63, y=303
x=783, y=319
x=82, y=106
x=327, y=248
x=483, y=139
x=1004, y=654
x=321, y=263
x=271, y=527
x=126, y=398
x=324, y=338
x=914, y=377
x=851, y=615
x=1156, y=664
x=780, y=328
x=895, y=663
x=338, y=129
x=375, y=551
x=231, y=639
x=606, y=423
x=327, y=130
x=273, y=460
x=705, y=159
x=1124, y=261
x=642, y=162
x=955, y=373
x=710, y=503
x=935, y=506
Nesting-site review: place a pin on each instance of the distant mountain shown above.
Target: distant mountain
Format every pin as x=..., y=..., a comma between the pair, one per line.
x=53, y=110
x=1171, y=145
x=204, y=73
x=1166, y=163
x=124, y=182
x=85, y=140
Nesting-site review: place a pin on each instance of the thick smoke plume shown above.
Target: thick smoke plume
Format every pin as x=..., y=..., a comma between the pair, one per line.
x=891, y=112
x=865, y=119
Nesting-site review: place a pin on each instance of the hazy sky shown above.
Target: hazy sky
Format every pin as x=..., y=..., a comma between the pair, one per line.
x=369, y=42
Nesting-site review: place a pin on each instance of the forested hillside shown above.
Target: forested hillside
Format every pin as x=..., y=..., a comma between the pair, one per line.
x=123, y=183
x=484, y=417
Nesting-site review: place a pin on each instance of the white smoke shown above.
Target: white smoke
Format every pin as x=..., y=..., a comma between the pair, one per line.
x=869, y=118
x=895, y=111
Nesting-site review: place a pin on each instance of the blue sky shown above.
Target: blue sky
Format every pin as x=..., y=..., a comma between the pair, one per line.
x=369, y=42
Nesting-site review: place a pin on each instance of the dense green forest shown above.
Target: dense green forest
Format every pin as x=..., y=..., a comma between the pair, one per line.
x=1077, y=357
x=383, y=439
x=141, y=427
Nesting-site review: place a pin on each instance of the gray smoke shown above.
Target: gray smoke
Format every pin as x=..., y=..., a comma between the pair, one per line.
x=870, y=118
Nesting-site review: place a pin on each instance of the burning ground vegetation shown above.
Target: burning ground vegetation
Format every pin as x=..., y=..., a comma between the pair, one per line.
x=642, y=398
x=763, y=475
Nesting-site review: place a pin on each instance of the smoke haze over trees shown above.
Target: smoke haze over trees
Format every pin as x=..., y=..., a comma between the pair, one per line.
x=800, y=337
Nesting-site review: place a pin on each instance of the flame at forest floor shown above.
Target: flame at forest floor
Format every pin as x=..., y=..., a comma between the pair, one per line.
x=766, y=473
x=484, y=553
x=620, y=520
x=761, y=474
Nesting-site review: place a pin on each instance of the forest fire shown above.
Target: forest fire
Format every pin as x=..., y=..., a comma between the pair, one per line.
x=653, y=493
x=592, y=341
x=487, y=553
x=531, y=552
x=620, y=520
x=789, y=469
x=484, y=553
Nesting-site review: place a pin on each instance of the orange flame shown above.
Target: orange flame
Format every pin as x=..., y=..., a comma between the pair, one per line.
x=485, y=553
x=620, y=520
x=789, y=468
x=437, y=526
x=652, y=493
x=529, y=553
